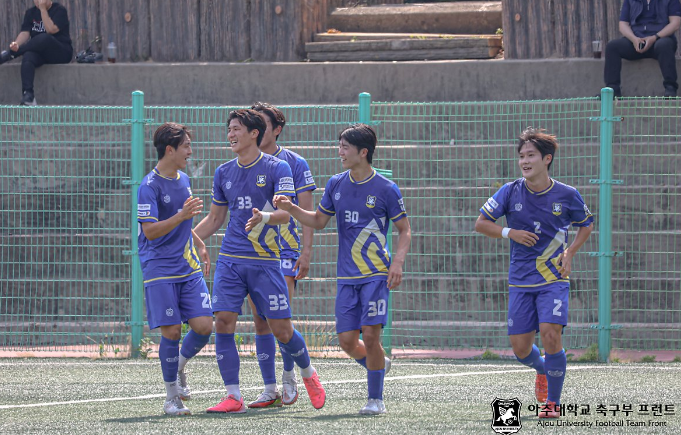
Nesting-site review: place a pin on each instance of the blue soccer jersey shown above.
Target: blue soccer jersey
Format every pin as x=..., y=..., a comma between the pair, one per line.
x=303, y=180
x=170, y=258
x=241, y=188
x=548, y=214
x=363, y=210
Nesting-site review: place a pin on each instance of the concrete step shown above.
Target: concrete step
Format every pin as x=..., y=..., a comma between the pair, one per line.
x=336, y=36
x=479, y=47
x=470, y=17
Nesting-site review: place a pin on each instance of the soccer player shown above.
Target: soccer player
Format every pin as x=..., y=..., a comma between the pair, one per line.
x=174, y=288
x=538, y=212
x=294, y=264
x=249, y=262
x=364, y=203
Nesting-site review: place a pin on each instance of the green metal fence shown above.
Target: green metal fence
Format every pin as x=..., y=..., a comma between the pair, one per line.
x=66, y=245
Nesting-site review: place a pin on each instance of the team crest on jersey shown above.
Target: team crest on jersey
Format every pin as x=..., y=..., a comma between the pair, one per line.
x=371, y=201
x=166, y=199
x=557, y=208
x=228, y=185
x=336, y=196
x=518, y=207
x=260, y=181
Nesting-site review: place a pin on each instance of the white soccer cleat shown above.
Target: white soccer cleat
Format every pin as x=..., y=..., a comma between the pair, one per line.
x=289, y=389
x=388, y=365
x=182, y=387
x=175, y=406
x=373, y=407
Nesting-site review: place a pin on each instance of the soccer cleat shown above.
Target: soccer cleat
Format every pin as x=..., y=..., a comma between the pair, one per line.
x=230, y=405
x=289, y=389
x=549, y=410
x=541, y=388
x=182, y=387
x=315, y=390
x=388, y=365
x=175, y=406
x=28, y=99
x=267, y=400
x=373, y=407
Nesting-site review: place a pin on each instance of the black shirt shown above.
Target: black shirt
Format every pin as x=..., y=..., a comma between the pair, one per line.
x=33, y=22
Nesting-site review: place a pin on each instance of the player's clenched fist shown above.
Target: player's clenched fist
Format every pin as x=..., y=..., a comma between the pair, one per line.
x=192, y=207
x=523, y=237
x=282, y=202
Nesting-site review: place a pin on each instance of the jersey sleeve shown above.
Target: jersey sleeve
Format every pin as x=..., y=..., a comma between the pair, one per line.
x=61, y=18
x=27, y=25
x=284, y=180
x=147, y=208
x=326, y=204
x=580, y=215
x=395, y=204
x=303, y=178
x=496, y=206
x=217, y=195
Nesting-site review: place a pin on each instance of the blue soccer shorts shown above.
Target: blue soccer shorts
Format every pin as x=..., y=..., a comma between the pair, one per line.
x=175, y=303
x=361, y=305
x=528, y=307
x=265, y=284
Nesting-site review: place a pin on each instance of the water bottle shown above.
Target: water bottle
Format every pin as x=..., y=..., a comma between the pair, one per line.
x=111, y=50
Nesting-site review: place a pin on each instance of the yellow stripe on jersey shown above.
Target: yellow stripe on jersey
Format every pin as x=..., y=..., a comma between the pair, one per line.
x=492, y=218
x=541, y=261
x=328, y=211
x=249, y=258
x=190, y=254
x=288, y=236
x=537, y=285
x=172, y=277
x=270, y=240
x=366, y=276
x=372, y=249
x=304, y=187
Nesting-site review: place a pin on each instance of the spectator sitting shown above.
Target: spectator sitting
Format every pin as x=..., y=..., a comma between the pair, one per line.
x=44, y=38
x=648, y=27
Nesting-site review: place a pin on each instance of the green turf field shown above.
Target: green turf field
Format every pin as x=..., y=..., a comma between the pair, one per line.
x=76, y=396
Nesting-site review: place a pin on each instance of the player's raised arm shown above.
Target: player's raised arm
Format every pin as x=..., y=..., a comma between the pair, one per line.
x=153, y=230
x=277, y=217
x=316, y=219
x=212, y=222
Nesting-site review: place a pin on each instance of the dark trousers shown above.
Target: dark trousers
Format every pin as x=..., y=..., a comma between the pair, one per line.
x=36, y=52
x=664, y=50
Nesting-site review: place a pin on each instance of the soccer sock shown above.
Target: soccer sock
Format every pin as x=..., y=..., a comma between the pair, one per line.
x=534, y=360
x=228, y=360
x=375, y=381
x=298, y=350
x=191, y=345
x=556, y=365
x=288, y=361
x=265, y=349
x=168, y=352
x=362, y=362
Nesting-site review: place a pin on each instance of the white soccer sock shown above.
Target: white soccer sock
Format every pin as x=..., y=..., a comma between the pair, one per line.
x=182, y=362
x=289, y=375
x=307, y=372
x=234, y=391
x=171, y=389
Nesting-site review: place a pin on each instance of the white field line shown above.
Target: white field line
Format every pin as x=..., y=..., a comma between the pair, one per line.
x=391, y=378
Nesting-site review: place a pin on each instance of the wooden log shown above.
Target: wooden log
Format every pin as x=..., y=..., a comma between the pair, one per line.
x=225, y=30
x=175, y=30
x=400, y=55
x=279, y=30
x=351, y=36
x=353, y=3
x=133, y=37
x=403, y=44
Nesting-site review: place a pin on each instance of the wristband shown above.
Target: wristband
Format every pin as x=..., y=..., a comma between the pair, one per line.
x=265, y=216
x=504, y=232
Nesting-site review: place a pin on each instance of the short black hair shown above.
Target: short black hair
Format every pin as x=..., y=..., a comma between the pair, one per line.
x=361, y=136
x=170, y=133
x=544, y=142
x=275, y=115
x=250, y=119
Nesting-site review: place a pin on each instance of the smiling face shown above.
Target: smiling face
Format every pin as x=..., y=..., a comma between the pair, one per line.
x=532, y=165
x=240, y=139
x=350, y=155
x=178, y=157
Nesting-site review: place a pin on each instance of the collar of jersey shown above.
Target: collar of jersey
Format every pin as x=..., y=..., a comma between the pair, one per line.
x=249, y=165
x=279, y=149
x=373, y=174
x=539, y=193
x=163, y=176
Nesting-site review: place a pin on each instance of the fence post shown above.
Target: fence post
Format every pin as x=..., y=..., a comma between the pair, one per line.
x=136, y=175
x=605, y=253
x=365, y=108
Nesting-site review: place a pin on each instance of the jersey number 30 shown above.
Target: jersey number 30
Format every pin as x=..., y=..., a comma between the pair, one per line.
x=377, y=308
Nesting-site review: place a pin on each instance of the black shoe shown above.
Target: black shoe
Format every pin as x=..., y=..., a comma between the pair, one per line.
x=28, y=99
x=5, y=56
x=669, y=92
